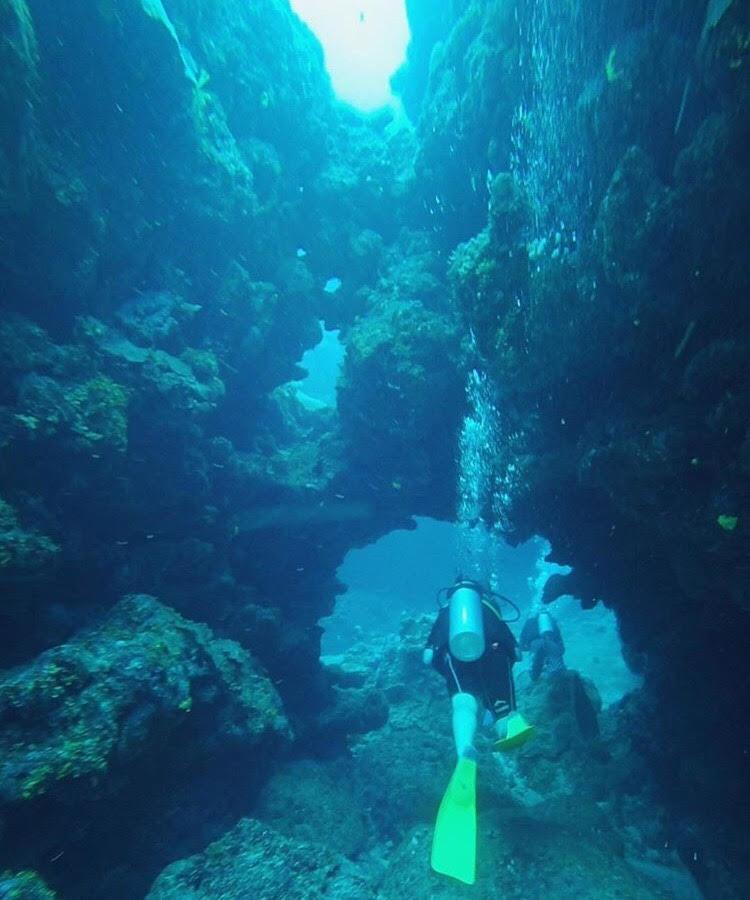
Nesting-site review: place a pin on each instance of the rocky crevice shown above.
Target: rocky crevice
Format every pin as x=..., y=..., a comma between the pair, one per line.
x=171, y=206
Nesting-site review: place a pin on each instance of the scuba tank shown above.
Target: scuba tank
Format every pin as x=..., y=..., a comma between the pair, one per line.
x=466, y=632
x=544, y=623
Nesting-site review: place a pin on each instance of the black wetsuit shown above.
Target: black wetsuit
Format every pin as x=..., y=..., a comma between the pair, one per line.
x=490, y=678
x=547, y=649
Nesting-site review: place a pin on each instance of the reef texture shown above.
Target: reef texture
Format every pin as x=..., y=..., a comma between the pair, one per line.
x=252, y=860
x=110, y=693
x=567, y=213
x=24, y=886
x=604, y=291
x=571, y=814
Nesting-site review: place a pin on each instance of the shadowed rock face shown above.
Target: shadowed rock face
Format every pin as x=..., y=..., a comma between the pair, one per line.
x=252, y=860
x=84, y=707
x=618, y=361
x=98, y=719
x=161, y=177
x=162, y=165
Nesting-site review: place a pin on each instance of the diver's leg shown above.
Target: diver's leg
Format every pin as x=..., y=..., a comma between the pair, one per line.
x=465, y=709
x=538, y=650
x=499, y=689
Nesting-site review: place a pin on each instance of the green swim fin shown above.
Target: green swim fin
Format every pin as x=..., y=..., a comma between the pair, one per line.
x=519, y=731
x=454, y=844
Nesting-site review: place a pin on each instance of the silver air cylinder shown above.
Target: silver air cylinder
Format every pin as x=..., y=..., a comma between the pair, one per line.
x=545, y=623
x=466, y=635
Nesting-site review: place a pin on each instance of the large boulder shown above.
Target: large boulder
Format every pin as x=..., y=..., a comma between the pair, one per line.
x=80, y=714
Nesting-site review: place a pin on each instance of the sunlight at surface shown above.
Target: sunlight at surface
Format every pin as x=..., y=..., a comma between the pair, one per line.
x=364, y=43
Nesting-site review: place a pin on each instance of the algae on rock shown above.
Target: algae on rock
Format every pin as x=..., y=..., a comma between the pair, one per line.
x=84, y=707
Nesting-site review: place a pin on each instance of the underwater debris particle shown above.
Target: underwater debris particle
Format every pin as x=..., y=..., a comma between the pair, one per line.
x=332, y=285
x=728, y=523
x=685, y=338
x=610, y=69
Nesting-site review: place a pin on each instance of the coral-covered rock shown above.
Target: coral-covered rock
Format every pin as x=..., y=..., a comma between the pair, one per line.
x=91, y=415
x=614, y=332
x=400, y=769
x=24, y=886
x=517, y=857
x=99, y=701
x=566, y=756
x=254, y=860
x=399, y=357
x=22, y=550
x=467, y=114
x=311, y=801
x=633, y=224
x=187, y=382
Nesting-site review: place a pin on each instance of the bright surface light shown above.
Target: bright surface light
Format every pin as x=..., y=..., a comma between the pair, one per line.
x=364, y=43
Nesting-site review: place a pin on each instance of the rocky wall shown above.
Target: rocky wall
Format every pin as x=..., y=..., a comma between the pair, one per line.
x=178, y=185
x=618, y=350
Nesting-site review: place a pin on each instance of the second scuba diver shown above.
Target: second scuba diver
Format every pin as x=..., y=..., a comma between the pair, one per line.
x=541, y=635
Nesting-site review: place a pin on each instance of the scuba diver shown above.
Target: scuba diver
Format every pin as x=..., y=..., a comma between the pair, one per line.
x=541, y=635
x=474, y=650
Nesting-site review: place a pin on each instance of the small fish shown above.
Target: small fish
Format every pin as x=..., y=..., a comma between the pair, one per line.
x=301, y=253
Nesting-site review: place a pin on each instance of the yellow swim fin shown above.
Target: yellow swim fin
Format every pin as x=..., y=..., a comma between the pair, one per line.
x=454, y=844
x=519, y=731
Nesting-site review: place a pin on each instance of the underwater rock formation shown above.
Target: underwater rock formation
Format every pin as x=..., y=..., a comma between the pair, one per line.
x=253, y=860
x=182, y=204
x=616, y=348
x=24, y=886
x=139, y=703
x=291, y=803
x=399, y=356
x=81, y=708
x=576, y=784
x=172, y=206
x=22, y=550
